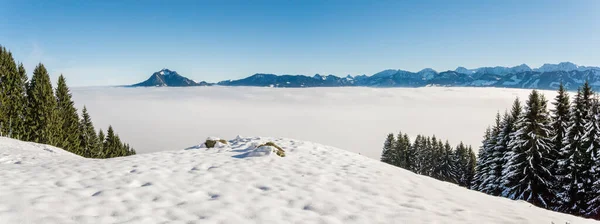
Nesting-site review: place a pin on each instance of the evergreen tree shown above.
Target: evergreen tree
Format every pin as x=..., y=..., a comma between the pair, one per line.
x=592, y=136
x=531, y=147
x=482, y=167
x=515, y=116
x=411, y=154
x=401, y=147
x=447, y=167
x=387, y=156
x=41, y=117
x=493, y=163
x=427, y=153
x=574, y=163
x=461, y=158
x=417, y=149
x=13, y=97
x=471, y=166
x=87, y=136
x=69, y=123
x=560, y=117
x=102, y=153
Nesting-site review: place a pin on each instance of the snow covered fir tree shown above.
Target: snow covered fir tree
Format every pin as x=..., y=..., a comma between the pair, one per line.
x=31, y=110
x=545, y=156
x=549, y=157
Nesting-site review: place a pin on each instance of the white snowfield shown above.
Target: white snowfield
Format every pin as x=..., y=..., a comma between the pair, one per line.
x=313, y=183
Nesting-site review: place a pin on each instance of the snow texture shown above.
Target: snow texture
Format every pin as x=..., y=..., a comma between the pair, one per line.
x=312, y=184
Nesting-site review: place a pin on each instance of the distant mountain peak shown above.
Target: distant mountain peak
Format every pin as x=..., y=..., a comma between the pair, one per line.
x=166, y=77
x=427, y=70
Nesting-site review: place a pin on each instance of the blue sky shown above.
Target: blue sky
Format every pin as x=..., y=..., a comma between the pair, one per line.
x=123, y=42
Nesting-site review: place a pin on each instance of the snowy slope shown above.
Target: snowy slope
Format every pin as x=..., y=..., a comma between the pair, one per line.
x=312, y=184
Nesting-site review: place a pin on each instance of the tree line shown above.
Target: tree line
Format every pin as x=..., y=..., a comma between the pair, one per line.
x=31, y=110
x=432, y=157
x=548, y=158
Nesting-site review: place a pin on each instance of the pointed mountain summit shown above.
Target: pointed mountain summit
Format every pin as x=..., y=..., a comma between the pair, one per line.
x=166, y=77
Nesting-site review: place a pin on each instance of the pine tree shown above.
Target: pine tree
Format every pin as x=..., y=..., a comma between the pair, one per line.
x=417, y=149
x=427, y=154
x=447, y=167
x=491, y=182
x=13, y=97
x=592, y=136
x=110, y=145
x=41, y=117
x=401, y=147
x=482, y=168
x=529, y=164
x=516, y=113
x=102, y=153
x=87, y=136
x=500, y=149
x=69, y=122
x=387, y=156
x=461, y=158
x=560, y=117
x=410, y=155
x=574, y=163
x=471, y=166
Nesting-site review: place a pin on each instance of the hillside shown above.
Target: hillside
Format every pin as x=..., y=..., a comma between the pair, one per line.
x=312, y=184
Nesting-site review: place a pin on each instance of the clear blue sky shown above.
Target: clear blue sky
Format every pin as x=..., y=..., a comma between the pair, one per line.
x=123, y=42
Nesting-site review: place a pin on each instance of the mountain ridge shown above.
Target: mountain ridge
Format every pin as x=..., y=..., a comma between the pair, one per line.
x=547, y=76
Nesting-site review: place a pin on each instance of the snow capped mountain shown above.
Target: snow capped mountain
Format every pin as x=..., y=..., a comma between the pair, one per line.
x=520, y=76
x=166, y=77
x=427, y=73
x=548, y=76
x=564, y=66
x=520, y=68
x=238, y=182
x=464, y=70
x=385, y=73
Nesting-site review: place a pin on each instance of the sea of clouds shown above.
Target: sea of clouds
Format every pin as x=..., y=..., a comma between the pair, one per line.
x=356, y=119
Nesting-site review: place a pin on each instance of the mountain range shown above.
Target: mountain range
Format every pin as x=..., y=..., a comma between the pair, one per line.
x=548, y=76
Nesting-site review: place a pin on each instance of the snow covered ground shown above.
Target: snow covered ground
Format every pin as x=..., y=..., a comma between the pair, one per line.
x=312, y=184
x=355, y=119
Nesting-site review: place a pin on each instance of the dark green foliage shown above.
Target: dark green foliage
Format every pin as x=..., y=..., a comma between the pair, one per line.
x=429, y=156
x=69, y=133
x=447, y=167
x=13, y=98
x=401, y=151
x=462, y=159
x=111, y=144
x=470, y=170
x=100, y=145
x=31, y=111
x=87, y=137
x=387, y=156
x=482, y=168
x=411, y=154
x=42, y=119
